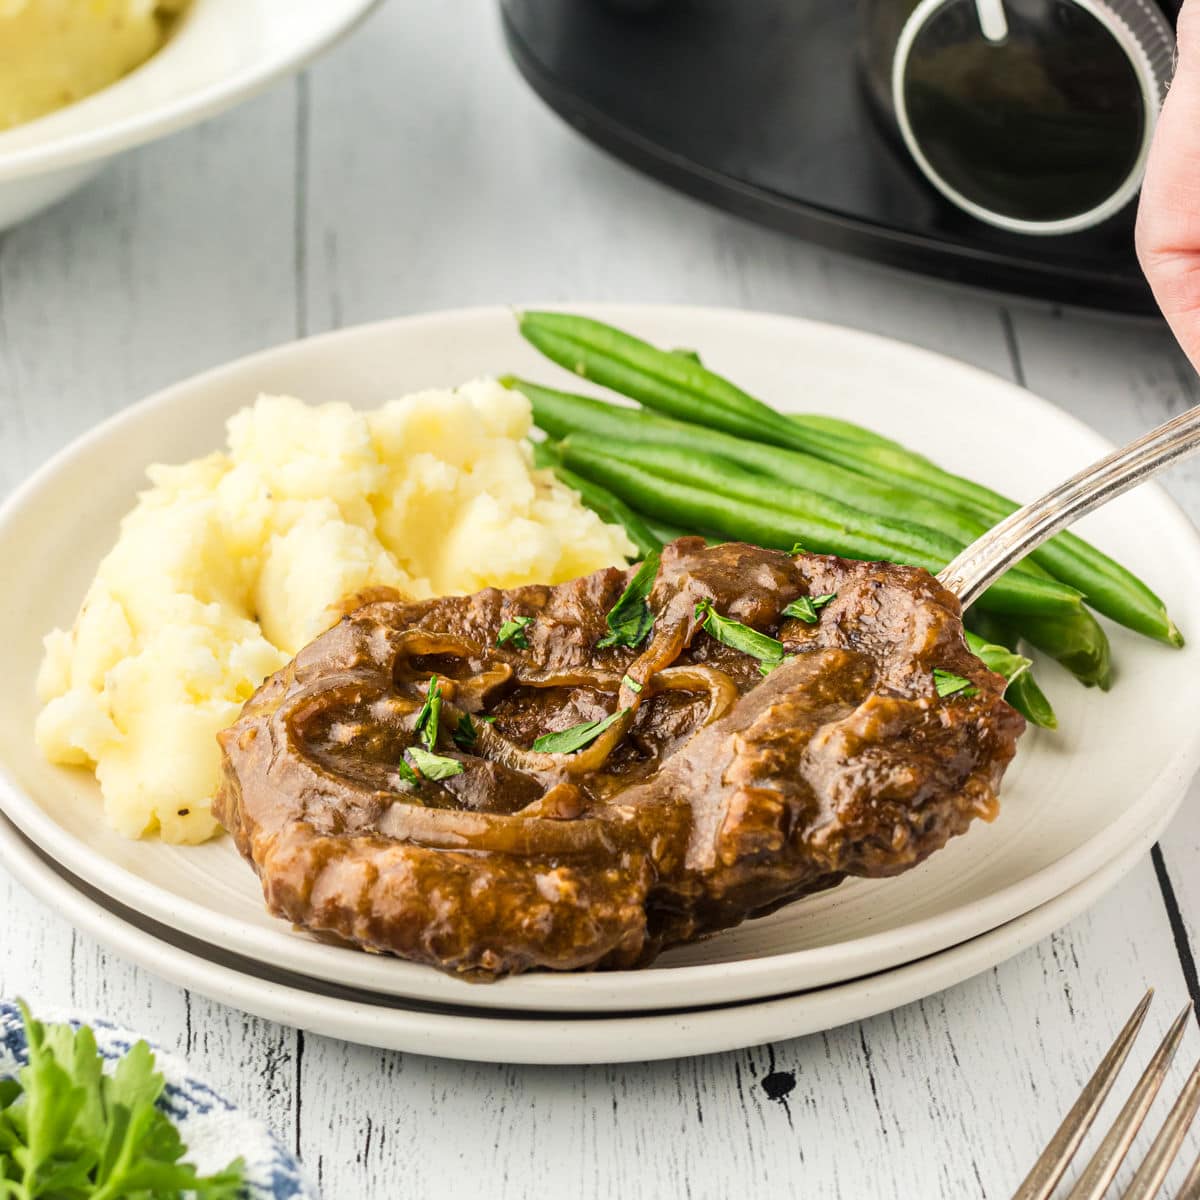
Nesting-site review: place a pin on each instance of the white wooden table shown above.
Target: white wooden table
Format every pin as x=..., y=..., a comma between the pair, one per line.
x=412, y=170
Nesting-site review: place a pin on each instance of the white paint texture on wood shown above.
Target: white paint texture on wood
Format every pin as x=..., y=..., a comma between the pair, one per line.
x=411, y=170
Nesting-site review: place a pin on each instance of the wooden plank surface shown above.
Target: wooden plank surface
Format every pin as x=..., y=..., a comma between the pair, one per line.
x=330, y=201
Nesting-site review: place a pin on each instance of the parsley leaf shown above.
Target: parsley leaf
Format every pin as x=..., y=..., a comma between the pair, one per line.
x=949, y=684
x=566, y=741
x=765, y=668
x=464, y=734
x=737, y=636
x=434, y=766
x=1000, y=659
x=631, y=683
x=429, y=715
x=630, y=620
x=806, y=608
x=512, y=633
x=68, y=1129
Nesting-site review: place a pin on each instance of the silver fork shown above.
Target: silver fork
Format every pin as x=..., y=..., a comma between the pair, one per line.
x=1100, y=1171
x=989, y=556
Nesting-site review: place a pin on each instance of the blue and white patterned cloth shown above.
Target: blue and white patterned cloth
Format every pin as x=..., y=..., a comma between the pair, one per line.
x=212, y=1129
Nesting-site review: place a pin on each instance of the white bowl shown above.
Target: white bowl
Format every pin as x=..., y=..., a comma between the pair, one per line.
x=221, y=52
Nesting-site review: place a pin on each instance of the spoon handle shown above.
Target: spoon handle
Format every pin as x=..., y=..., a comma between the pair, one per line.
x=1005, y=544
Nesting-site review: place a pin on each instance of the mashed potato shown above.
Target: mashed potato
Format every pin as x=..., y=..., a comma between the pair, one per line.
x=54, y=52
x=229, y=564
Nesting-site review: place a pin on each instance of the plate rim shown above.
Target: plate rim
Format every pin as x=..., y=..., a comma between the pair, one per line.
x=551, y=991
x=551, y=1040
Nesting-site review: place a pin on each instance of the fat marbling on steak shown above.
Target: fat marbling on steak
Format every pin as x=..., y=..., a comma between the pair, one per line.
x=718, y=794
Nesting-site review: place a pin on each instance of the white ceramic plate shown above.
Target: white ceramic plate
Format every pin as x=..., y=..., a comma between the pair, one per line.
x=221, y=52
x=1072, y=801
x=509, y=1037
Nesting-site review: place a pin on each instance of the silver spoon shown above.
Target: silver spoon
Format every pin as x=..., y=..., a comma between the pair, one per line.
x=1004, y=545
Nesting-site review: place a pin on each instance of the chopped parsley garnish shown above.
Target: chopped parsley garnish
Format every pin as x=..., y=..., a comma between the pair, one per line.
x=407, y=774
x=806, y=608
x=434, y=766
x=737, y=636
x=69, y=1128
x=949, y=684
x=429, y=715
x=765, y=668
x=567, y=741
x=464, y=734
x=512, y=633
x=630, y=620
x=1000, y=659
x=631, y=683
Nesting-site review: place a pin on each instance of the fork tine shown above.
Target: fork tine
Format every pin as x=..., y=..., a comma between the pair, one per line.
x=1049, y=1168
x=1098, y=1174
x=1191, y=1185
x=1153, y=1171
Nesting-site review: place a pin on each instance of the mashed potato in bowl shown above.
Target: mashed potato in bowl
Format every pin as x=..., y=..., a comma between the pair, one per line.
x=230, y=563
x=54, y=52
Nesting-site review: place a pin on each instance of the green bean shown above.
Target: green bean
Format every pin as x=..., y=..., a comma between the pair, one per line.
x=1031, y=702
x=680, y=502
x=678, y=384
x=1081, y=646
x=1072, y=637
x=1086, y=653
x=731, y=479
x=665, y=532
x=684, y=388
x=670, y=533
x=1108, y=586
x=997, y=658
x=561, y=413
x=847, y=430
x=603, y=503
x=1023, y=692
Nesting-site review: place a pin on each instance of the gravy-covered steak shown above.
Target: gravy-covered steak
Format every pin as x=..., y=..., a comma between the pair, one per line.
x=750, y=728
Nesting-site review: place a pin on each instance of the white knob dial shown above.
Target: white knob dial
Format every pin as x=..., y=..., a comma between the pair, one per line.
x=1034, y=116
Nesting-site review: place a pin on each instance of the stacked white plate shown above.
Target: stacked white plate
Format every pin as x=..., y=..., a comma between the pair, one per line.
x=1080, y=805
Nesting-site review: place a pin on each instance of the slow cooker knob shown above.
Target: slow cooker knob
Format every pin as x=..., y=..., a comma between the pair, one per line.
x=1033, y=115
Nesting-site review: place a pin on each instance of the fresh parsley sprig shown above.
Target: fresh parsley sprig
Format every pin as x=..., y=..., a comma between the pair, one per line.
x=567, y=741
x=434, y=766
x=429, y=715
x=630, y=620
x=948, y=684
x=465, y=733
x=407, y=774
x=422, y=762
x=765, y=668
x=513, y=633
x=808, y=608
x=69, y=1130
x=737, y=636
